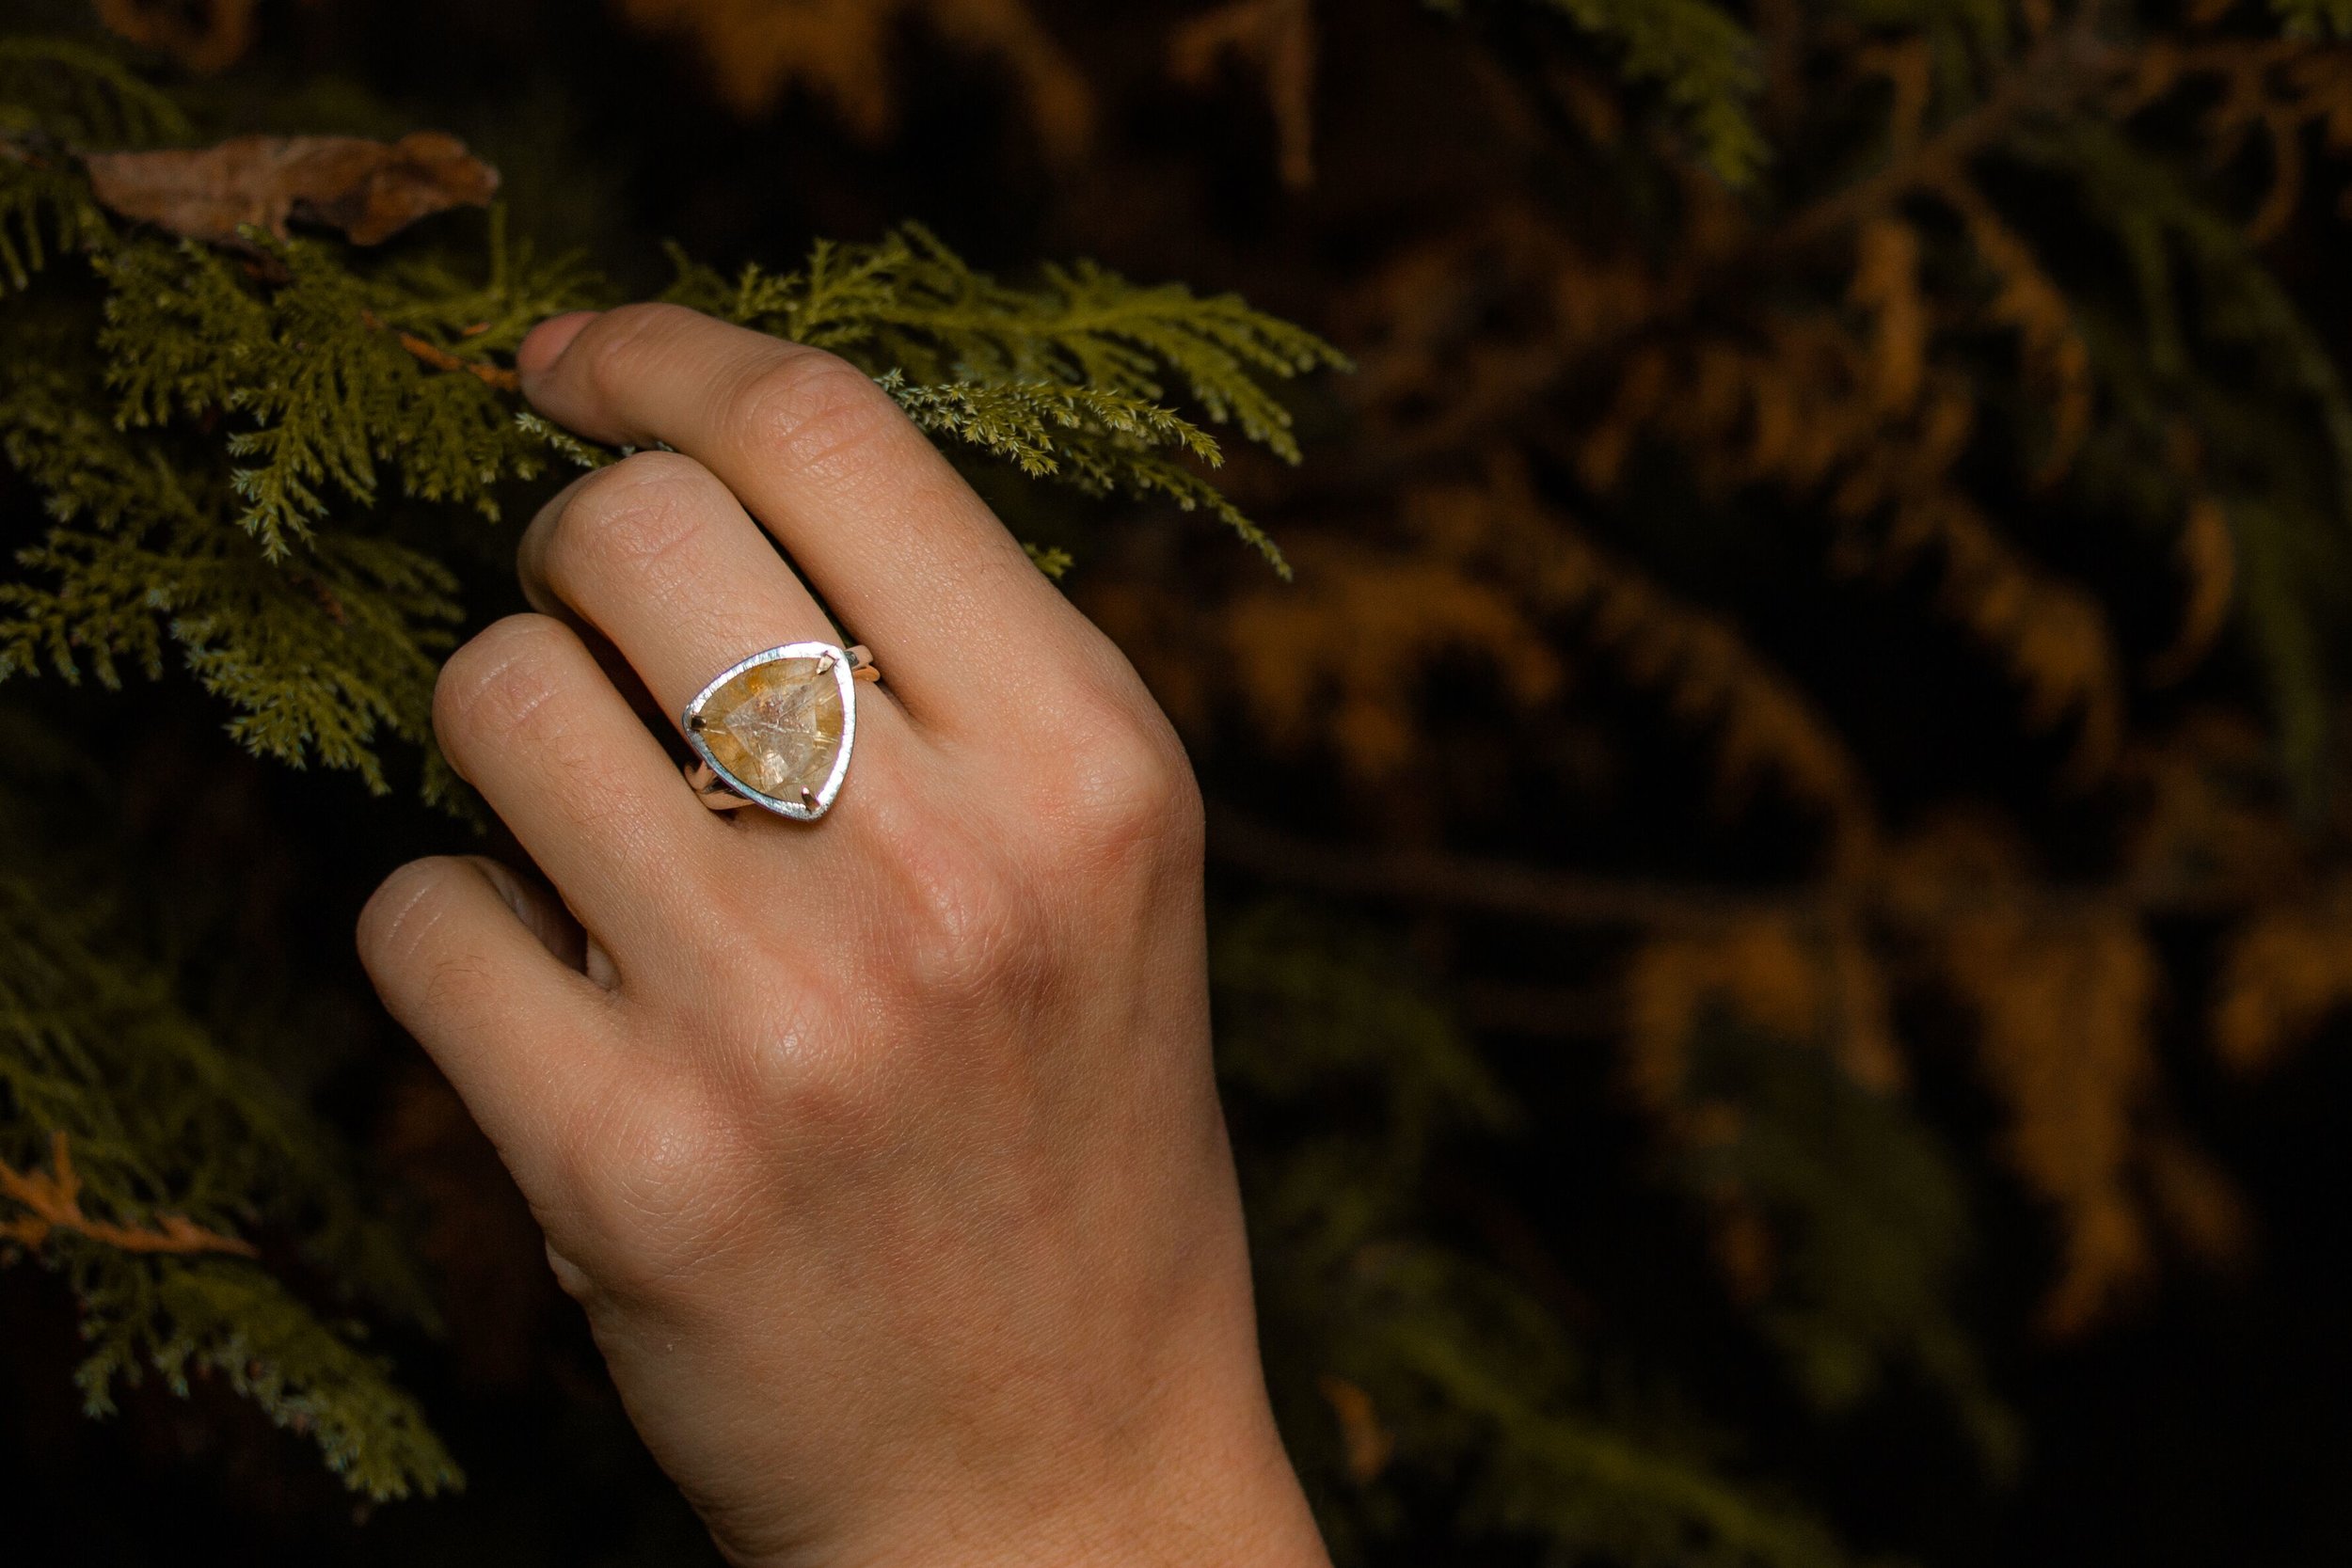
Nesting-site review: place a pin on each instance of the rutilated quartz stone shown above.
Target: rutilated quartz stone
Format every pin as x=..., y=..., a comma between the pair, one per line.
x=777, y=727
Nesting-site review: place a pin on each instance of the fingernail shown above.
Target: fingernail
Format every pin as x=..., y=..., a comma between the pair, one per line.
x=548, y=341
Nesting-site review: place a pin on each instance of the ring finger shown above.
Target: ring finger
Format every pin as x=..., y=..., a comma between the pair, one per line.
x=659, y=557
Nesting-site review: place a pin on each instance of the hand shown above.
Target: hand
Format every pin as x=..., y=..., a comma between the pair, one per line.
x=882, y=1151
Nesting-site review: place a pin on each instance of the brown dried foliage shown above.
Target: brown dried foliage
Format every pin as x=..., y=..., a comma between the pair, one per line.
x=1277, y=39
x=368, y=190
x=840, y=50
x=1838, y=362
x=51, y=1201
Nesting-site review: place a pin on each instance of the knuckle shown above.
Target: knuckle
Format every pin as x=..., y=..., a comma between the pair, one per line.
x=1124, y=794
x=628, y=515
x=811, y=409
x=499, y=683
x=611, y=350
x=649, y=1192
x=971, y=933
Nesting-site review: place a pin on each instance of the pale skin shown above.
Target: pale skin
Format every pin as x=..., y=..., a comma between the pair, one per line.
x=883, y=1152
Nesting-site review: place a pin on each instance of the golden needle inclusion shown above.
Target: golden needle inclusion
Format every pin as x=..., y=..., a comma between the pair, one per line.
x=777, y=727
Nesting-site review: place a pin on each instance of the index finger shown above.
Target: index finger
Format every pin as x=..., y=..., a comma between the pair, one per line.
x=883, y=528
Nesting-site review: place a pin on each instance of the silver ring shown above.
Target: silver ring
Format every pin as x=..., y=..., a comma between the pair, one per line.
x=776, y=730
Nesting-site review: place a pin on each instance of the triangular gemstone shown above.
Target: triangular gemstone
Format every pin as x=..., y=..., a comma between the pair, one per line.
x=776, y=727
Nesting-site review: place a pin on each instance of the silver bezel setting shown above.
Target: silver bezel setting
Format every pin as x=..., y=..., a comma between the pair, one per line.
x=832, y=659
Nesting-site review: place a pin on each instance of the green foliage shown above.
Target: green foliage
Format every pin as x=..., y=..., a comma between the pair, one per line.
x=189, y=1318
x=312, y=354
x=55, y=93
x=1701, y=57
x=1346, y=1082
x=161, y=1117
x=1870, y=1222
x=316, y=655
x=43, y=209
x=1065, y=379
x=2315, y=18
x=2275, y=427
x=62, y=91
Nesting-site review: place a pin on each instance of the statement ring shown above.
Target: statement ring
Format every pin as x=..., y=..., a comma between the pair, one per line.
x=775, y=730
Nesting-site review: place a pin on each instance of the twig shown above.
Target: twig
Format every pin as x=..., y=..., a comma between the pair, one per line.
x=442, y=359
x=54, y=1202
x=1553, y=897
x=2063, y=68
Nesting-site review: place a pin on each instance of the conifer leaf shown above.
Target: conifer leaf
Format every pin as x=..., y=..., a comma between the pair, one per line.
x=1699, y=54
x=82, y=96
x=909, y=303
x=1069, y=381
x=165, y=1120
x=44, y=211
x=320, y=648
x=323, y=373
x=183, y=1319
x=1476, y=1382
x=367, y=190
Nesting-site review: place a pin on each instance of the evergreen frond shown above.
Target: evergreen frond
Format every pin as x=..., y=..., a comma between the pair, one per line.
x=44, y=211
x=1474, y=1383
x=96, y=1053
x=318, y=649
x=334, y=370
x=1699, y=55
x=71, y=92
x=185, y=1318
x=2315, y=18
x=1104, y=443
x=909, y=303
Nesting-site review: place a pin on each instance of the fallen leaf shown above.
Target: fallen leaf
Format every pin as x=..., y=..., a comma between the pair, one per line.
x=371, y=190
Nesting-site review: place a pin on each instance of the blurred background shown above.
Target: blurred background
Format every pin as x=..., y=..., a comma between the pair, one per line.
x=1778, y=867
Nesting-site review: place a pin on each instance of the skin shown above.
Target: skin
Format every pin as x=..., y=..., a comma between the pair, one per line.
x=883, y=1152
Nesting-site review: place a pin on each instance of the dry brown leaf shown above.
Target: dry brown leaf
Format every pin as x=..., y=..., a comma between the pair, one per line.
x=369, y=190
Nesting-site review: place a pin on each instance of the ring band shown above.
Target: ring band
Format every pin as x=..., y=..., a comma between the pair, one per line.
x=776, y=730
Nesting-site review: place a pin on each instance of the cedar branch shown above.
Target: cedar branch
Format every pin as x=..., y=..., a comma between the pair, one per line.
x=442, y=359
x=1568, y=900
x=54, y=1202
x=2064, y=68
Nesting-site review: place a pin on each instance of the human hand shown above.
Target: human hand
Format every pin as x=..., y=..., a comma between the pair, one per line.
x=881, y=1151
